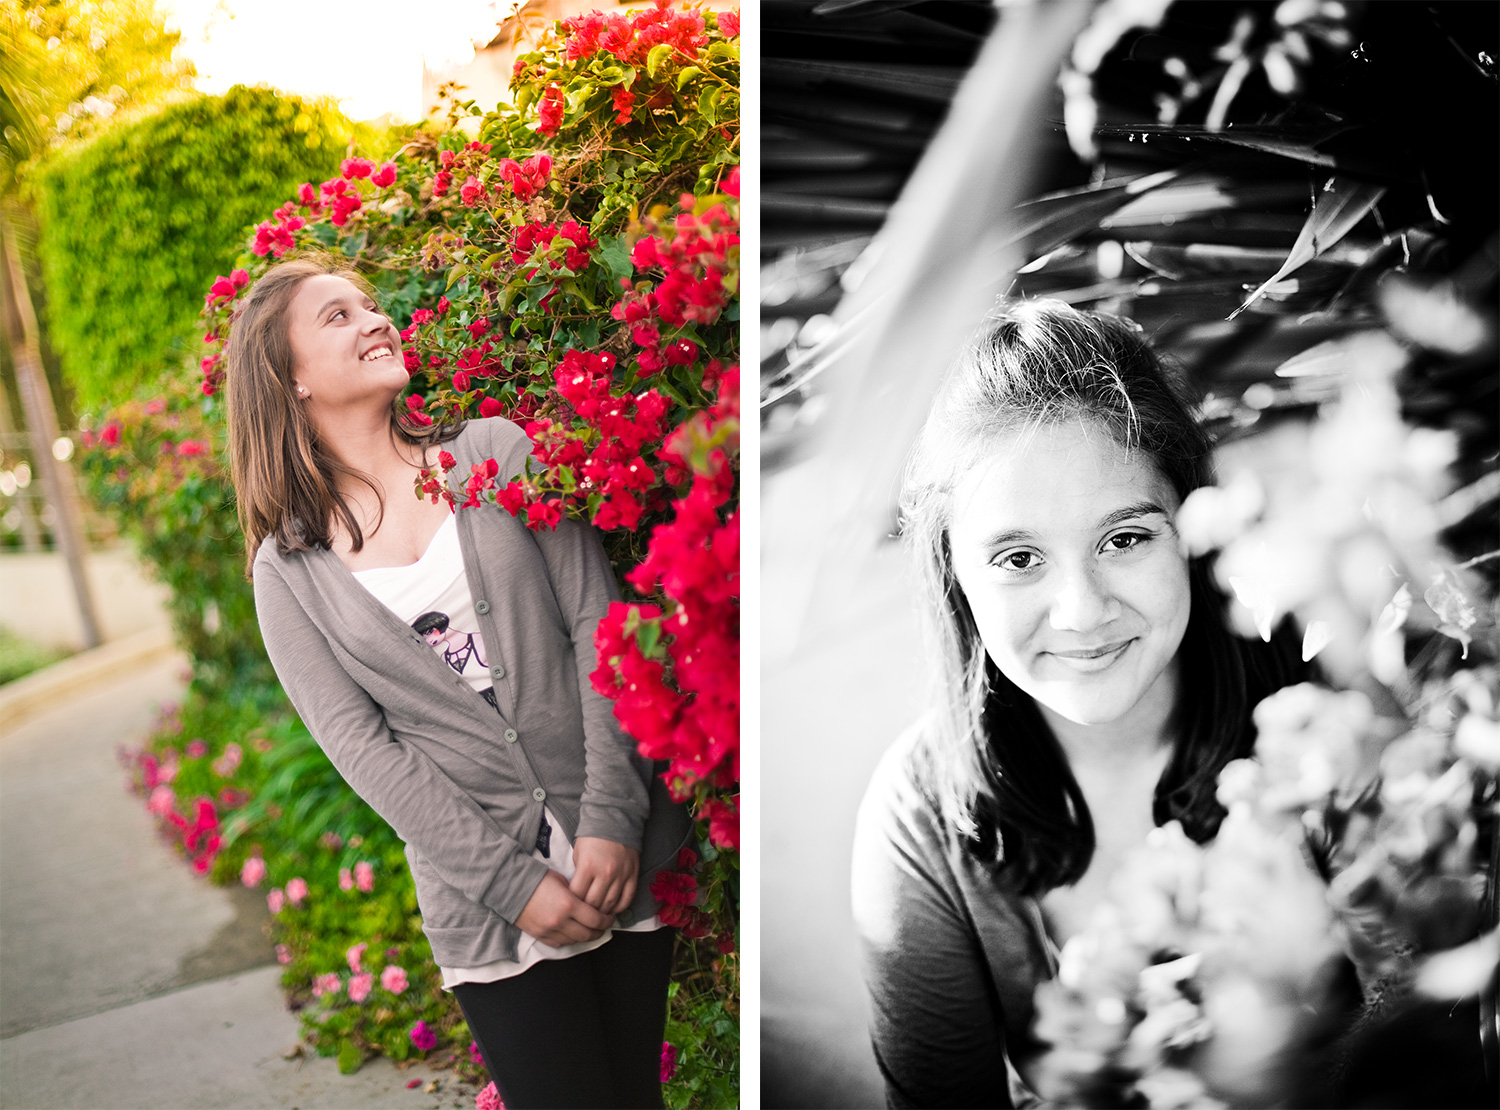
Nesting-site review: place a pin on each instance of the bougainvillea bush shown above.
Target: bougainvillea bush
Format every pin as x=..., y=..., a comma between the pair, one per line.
x=569, y=261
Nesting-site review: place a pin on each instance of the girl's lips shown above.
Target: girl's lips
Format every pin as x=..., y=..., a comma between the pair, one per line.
x=1092, y=660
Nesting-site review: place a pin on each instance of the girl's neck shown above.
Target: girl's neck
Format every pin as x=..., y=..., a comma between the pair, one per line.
x=370, y=447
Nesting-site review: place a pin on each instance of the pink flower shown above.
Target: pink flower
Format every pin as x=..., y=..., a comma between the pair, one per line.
x=357, y=167
x=364, y=876
x=162, y=800
x=729, y=23
x=197, y=749
x=488, y=1099
x=474, y=1054
x=668, y=1060
x=470, y=191
x=253, y=871
x=226, y=764
x=326, y=984
x=359, y=986
x=423, y=1037
x=275, y=900
x=346, y=880
x=239, y=278
x=283, y=954
x=385, y=176
x=306, y=193
x=353, y=956
x=296, y=890
x=393, y=978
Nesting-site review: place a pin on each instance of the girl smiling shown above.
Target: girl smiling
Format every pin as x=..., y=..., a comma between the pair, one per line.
x=1087, y=689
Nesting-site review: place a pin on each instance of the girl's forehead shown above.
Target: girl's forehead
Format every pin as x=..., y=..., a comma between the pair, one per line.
x=1055, y=475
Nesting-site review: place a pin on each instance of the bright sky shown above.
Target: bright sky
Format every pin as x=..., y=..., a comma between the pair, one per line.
x=366, y=54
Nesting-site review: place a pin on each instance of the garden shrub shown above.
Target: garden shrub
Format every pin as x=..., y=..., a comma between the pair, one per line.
x=137, y=220
x=574, y=268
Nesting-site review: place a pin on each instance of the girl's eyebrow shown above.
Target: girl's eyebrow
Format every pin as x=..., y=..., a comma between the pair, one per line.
x=1131, y=512
x=1118, y=516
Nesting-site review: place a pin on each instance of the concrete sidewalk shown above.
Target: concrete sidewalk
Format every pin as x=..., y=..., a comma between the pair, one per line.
x=125, y=980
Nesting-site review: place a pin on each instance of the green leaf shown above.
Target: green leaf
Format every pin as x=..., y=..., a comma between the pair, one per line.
x=456, y=273
x=708, y=103
x=686, y=74
x=722, y=50
x=658, y=54
x=350, y=1058
x=1341, y=205
x=616, y=258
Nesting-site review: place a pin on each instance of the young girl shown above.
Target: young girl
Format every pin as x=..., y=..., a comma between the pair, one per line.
x=532, y=826
x=1087, y=689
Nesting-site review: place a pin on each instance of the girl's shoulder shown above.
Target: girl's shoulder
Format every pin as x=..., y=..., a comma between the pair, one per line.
x=492, y=437
x=900, y=805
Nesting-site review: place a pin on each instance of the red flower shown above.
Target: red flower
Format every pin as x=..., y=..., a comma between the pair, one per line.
x=357, y=167
x=307, y=194
x=674, y=888
x=223, y=290
x=731, y=184
x=442, y=182
x=489, y=407
x=423, y=316
x=624, y=101
x=550, y=111
x=461, y=381
x=110, y=437
x=191, y=447
x=544, y=515
x=470, y=191
x=723, y=819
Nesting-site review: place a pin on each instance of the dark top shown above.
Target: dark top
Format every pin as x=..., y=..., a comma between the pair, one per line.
x=951, y=956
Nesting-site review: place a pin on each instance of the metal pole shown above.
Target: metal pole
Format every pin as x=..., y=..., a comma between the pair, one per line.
x=41, y=421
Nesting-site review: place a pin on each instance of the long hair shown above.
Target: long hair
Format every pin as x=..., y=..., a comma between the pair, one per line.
x=286, y=482
x=992, y=763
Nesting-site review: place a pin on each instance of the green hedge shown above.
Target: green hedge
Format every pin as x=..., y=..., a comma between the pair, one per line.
x=137, y=222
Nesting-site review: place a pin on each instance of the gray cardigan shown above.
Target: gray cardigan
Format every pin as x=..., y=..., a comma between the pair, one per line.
x=951, y=955
x=462, y=785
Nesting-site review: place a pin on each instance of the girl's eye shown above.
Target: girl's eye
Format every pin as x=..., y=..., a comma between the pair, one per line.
x=337, y=313
x=1018, y=561
x=1126, y=541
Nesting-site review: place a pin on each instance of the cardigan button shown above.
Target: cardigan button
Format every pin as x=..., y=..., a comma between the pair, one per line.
x=481, y=607
x=539, y=794
x=511, y=735
x=498, y=671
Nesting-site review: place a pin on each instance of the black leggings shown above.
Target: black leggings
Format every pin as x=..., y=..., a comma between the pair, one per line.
x=581, y=1032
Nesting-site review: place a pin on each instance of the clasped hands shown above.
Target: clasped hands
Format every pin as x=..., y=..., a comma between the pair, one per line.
x=604, y=878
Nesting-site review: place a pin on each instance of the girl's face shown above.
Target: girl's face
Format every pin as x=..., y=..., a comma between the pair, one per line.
x=345, y=353
x=1064, y=546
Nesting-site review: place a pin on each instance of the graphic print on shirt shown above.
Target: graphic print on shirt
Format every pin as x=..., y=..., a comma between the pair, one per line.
x=459, y=648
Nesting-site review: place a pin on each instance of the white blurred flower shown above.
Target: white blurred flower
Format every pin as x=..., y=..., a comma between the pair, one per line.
x=1212, y=516
x=1460, y=972
x=1447, y=599
x=1477, y=739
x=1317, y=637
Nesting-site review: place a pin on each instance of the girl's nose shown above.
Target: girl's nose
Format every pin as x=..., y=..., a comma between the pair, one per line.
x=1083, y=601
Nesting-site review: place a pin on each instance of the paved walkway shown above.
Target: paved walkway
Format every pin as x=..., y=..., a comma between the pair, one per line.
x=125, y=980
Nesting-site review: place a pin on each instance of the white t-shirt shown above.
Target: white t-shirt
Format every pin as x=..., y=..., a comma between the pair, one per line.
x=432, y=595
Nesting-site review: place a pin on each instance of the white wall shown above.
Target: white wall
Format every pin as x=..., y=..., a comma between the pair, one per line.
x=37, y=599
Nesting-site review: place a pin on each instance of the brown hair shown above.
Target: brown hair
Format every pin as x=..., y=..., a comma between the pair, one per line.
x=285, y=481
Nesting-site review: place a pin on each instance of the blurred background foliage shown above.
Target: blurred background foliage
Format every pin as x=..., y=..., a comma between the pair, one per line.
x=1221, y=135
x=137, y=220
